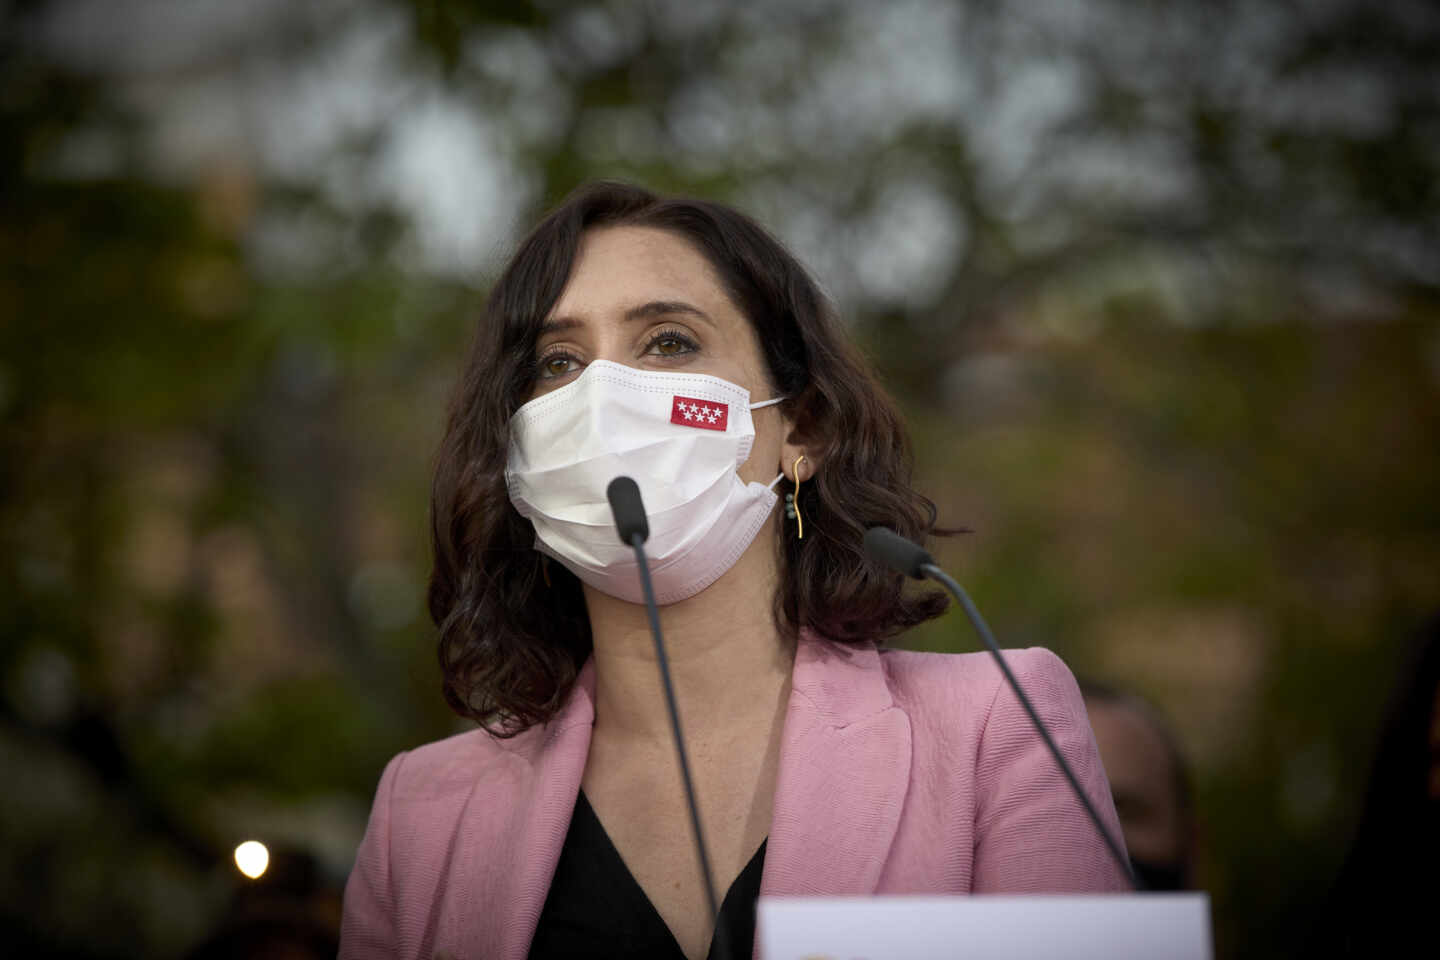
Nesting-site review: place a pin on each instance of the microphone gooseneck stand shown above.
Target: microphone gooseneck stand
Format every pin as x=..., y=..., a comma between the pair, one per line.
x=894, y=551
x=634, y=529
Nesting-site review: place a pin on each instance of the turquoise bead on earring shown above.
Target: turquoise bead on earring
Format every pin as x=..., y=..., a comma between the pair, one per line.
x=789, y=506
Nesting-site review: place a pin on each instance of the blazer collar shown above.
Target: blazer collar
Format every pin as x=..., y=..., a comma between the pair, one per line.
x=844, y=772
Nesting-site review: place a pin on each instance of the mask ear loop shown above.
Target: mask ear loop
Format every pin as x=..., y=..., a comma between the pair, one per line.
x=781, y=475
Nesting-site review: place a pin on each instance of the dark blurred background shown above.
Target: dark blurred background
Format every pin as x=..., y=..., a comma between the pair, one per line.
x=1158, y=284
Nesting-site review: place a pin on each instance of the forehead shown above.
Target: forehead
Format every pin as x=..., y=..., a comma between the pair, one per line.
x=615, y=266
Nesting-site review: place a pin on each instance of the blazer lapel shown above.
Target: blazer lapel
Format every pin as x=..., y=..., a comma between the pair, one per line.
x=515, y=856
x=844, y=772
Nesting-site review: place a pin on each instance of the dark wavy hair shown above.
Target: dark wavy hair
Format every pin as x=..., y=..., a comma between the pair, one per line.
x=514, y=631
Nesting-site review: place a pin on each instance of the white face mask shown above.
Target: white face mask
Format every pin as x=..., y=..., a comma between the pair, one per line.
x=680, y=436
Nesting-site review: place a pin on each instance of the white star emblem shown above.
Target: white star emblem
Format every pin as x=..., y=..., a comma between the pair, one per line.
x=712, y=415
x=686, y=412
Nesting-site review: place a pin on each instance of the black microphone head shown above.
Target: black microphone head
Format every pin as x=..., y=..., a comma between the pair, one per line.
x=887, y=547
x=628, y=509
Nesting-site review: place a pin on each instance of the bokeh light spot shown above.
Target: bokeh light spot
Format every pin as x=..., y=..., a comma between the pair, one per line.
x=252, y=858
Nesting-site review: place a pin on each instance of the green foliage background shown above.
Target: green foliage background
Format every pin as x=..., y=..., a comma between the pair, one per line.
x=1155, y=282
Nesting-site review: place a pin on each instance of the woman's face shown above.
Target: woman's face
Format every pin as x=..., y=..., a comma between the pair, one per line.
x=648, y=299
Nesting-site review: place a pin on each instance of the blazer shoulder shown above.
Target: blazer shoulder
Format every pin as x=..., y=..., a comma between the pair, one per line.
x=442, y=767
x=950, y=683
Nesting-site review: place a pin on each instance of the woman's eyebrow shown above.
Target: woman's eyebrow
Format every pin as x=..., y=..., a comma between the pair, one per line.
x=646, y=311
x=658, y=308
x=559, y=324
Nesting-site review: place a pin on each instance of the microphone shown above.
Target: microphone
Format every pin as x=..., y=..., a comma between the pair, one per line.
x=628, y=510
x=634, y=528
x=892, y=550
x=888, y=548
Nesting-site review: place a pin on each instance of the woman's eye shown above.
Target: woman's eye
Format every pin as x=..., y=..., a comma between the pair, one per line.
x=556, y=365
x=671, y=345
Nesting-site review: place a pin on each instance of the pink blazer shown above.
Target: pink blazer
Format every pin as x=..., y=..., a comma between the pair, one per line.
x=899, y=773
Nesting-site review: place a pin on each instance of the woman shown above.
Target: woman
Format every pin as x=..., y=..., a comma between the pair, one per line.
x=676, y=342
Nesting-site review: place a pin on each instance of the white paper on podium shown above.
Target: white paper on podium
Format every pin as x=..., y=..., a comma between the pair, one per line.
x=1114, y=927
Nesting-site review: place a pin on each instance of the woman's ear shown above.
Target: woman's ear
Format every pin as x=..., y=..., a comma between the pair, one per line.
x=800, y=456
x=797, y=463
x=804, y=448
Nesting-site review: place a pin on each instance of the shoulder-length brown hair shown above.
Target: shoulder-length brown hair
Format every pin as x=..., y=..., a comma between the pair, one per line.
x=510, y=644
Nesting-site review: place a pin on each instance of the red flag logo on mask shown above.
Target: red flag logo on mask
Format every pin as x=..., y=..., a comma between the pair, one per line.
x=705, y=414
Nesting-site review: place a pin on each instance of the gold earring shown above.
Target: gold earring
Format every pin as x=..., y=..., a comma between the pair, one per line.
x=792, y=506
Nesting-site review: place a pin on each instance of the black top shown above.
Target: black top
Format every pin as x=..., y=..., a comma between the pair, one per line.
x=596, y=908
